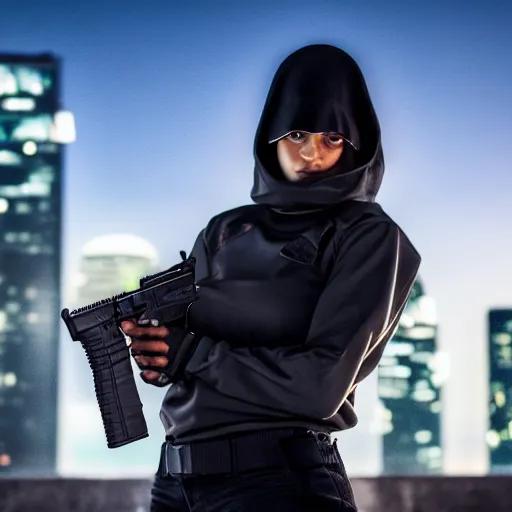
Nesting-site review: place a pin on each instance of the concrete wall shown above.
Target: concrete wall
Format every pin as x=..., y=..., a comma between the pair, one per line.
x=439, y=494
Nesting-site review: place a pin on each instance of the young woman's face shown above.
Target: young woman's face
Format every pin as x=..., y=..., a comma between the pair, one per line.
x=304, y=155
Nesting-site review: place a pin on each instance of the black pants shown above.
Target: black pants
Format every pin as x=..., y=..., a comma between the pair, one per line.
x=323, y=488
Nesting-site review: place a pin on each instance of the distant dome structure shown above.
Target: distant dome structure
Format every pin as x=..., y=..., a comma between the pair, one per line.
x=120, y=244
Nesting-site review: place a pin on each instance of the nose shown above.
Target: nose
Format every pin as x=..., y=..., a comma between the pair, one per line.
x=311, y=151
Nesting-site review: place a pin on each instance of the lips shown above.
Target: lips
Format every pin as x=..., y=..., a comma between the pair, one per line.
x=310, y=171
x=309, y=174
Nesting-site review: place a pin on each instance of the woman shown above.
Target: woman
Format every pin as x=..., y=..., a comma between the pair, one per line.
x=299, y=294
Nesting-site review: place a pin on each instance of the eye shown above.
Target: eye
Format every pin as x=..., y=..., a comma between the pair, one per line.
x=334, y=140
x=296, y=137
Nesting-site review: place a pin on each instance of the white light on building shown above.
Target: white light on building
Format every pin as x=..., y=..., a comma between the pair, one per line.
x=493, y=438
x=19, y=104
x=10, y=380
x=63, y=129
x=4, y=205
x=29, y=148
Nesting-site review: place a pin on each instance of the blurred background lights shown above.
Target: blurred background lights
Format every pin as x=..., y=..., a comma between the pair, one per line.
x=9, y=157
x=63, y=129
x=19, y=104
x=493, y=438
x=30, y=148
x=4, y=205
x=9, y=380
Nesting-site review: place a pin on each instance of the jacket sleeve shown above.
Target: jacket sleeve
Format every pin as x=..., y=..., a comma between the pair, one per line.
x=357, y=313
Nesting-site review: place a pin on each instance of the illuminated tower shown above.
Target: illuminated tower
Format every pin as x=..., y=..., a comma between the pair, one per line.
x=409, y=388
x=110, y=264
x=499, y=436
x=32, y=131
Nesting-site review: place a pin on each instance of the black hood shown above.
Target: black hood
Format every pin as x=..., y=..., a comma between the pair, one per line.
x=319, y=88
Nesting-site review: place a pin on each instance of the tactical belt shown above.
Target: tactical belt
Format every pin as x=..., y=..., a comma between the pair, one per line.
x=276, y=448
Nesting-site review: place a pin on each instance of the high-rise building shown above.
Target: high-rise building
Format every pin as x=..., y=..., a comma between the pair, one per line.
x=32, y=131
x=109, y=265
x=409, y=389
x=499, y=435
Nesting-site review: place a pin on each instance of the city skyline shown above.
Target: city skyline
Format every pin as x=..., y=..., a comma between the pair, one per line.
x=30, y=263
x=165, y=124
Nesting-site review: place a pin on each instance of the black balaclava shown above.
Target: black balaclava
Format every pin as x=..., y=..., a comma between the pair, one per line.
x=319, y=88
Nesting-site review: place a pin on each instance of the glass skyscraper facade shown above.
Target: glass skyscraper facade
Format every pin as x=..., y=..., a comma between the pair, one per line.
x=409, y=390
x=30, y=262
x=499, y=435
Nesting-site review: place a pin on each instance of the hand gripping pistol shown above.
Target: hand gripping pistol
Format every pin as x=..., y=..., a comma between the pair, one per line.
x=166, y=297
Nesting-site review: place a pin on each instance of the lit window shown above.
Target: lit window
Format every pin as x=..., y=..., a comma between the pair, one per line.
x=34, y=249
x=4, y=205
x=29, y=148
x=32, y=318
x=8, y=83
x=423, y=436
x=8, y=157
x=31, y=293
x=22, y=207
x=436, y=407
x=502, y=338
x=30, y=80
x=63, y=129
x=33, y=128
x=12, y=307
x=19, y=104
x=10, y=380
x=35, y=189
x=44, y=206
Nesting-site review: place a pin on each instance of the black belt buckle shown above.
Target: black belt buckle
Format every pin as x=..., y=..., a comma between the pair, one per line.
x=321, y=437
x=177, y=459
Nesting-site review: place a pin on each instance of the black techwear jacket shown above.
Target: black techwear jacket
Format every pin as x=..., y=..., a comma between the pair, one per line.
x=300, y=292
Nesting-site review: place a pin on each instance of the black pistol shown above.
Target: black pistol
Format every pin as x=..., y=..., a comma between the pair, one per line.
x=166, y=297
